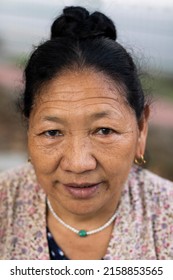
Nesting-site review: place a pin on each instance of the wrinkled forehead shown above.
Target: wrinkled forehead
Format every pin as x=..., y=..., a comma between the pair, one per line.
x=80, y=96
x=82, y=85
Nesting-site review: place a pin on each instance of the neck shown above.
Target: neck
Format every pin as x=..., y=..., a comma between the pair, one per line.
x=83, y=219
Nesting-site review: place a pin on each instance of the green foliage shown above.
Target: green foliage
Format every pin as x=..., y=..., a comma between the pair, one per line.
x=158, y=85
x=19, y=60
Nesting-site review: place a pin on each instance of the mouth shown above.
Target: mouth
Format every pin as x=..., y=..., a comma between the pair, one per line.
x=82, y=191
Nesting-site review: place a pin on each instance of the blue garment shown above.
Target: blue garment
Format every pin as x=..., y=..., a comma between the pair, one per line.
x=54, y=250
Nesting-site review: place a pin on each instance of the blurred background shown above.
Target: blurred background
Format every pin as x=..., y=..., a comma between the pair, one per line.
x=144, y=27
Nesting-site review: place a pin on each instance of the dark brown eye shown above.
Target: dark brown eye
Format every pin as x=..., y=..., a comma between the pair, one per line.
x=53, y=133
x=104, y=131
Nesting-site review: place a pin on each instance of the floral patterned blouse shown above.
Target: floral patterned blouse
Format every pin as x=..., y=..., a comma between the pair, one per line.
x=143, y=228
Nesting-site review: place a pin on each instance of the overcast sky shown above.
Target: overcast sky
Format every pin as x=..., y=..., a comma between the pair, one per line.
x=144, y=26
x=81, y=2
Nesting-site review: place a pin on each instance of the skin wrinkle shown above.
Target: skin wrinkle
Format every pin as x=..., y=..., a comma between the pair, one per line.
x=86, y=98
x=81, y=131
x=109, y=85
x=61, y=120
x=119, y=111
x=71, y=101
x=81, y=155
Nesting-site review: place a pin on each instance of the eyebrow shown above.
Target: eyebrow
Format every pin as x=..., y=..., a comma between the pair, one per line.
x=93, y=117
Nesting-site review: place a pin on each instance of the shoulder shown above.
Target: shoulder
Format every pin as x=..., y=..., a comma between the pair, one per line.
x=22, y=209
x=160, y=192
x=156, y=198
x=14, y=178
x=150, y=182
x=16, y=184
x=154, y=193
x=15, y=173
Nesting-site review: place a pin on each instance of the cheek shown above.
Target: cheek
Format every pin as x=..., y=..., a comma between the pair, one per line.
x=44, y=159
x=117, y=158
x=120, y=150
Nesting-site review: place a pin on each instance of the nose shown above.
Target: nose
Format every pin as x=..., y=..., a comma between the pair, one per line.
x=77, y=156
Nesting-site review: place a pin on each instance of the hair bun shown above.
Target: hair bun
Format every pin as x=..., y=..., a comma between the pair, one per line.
x=77, y=23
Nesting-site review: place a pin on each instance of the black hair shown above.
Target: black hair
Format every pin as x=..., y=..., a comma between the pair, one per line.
x=80, y=40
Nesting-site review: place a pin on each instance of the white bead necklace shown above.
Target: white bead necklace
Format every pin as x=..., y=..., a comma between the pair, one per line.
x=82, y=232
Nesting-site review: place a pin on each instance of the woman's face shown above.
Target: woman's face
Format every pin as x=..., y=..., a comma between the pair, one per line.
x=83, y=138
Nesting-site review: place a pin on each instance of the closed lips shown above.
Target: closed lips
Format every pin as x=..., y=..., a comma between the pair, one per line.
x=82, y=191
x=82, y=185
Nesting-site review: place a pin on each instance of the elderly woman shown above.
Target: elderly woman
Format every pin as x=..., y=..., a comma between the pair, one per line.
x=81, y=196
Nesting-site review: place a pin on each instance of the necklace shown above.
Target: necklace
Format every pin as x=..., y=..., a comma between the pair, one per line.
x=82, y=232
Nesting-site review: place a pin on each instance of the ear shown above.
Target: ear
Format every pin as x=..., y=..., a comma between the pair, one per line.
x=143, y=131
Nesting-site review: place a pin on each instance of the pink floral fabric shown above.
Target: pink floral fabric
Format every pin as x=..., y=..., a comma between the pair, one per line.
x=143, y=228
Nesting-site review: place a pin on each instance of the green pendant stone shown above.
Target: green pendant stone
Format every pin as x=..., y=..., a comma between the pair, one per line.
x=82, y=233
